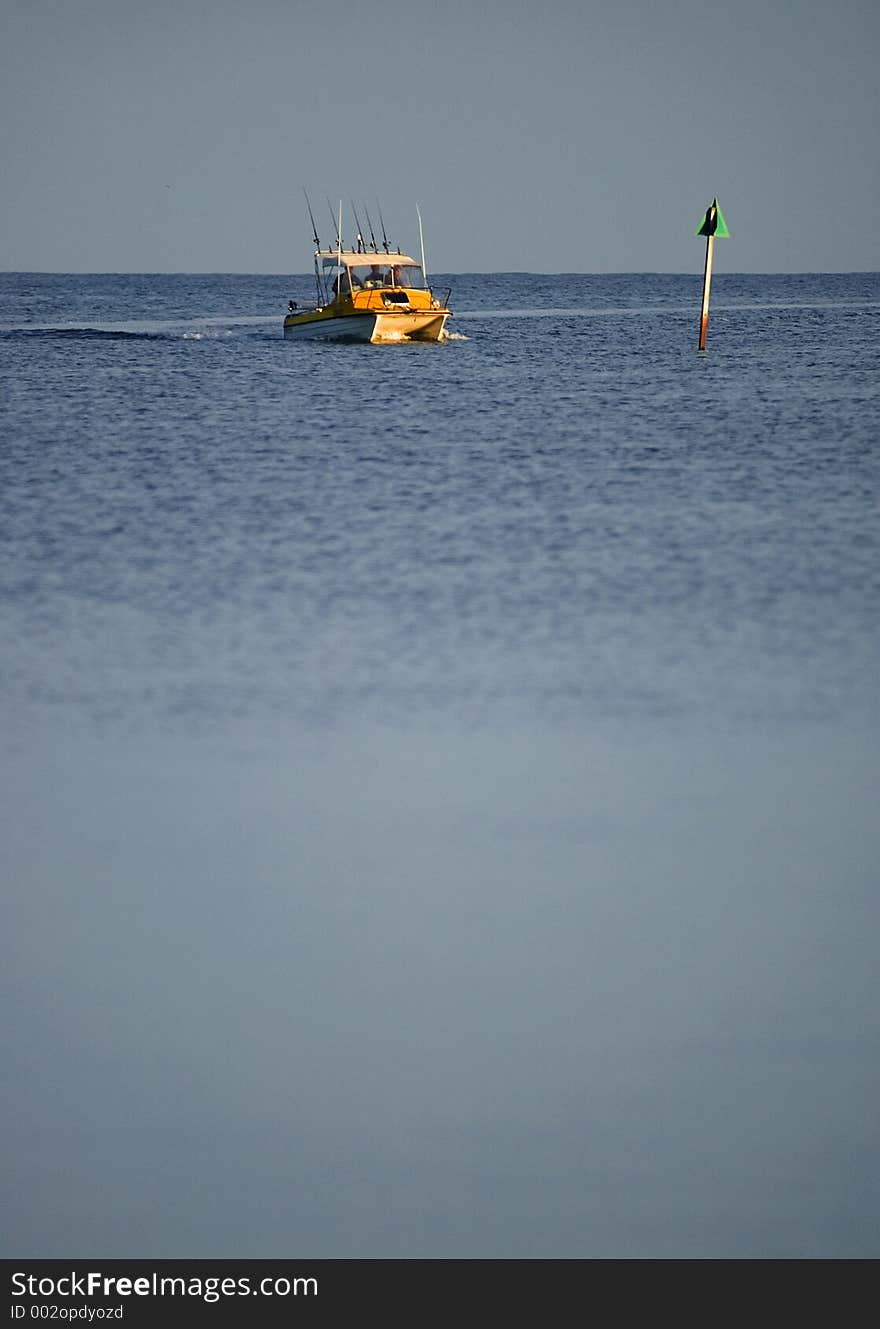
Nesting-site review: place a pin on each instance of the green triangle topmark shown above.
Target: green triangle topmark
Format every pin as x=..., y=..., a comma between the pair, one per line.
x=713, y=223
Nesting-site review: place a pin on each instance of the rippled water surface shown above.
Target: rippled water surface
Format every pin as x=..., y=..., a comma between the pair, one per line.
x=439, y=781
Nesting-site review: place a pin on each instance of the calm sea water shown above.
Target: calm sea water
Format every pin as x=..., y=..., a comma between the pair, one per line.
x=439, y=782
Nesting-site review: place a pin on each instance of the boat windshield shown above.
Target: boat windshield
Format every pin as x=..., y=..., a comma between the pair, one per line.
x=388, y=273
x=383, y=272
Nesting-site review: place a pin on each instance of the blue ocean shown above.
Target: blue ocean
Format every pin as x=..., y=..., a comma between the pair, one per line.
x=439, y=782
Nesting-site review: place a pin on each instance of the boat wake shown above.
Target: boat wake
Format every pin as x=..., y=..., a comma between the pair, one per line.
x=137, y=332
x=78, y=334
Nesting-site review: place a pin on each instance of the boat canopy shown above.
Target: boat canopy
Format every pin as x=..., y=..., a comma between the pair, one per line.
x=366, y=258
x=349, y=271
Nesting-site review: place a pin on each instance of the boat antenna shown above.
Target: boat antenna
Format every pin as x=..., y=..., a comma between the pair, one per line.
x=337, y=224
x=312, y=220
x=382, y=222
x=422, y=244
x=372, y=236
x=361, y=246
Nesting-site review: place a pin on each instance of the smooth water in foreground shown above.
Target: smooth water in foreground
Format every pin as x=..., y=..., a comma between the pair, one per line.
x=439, y=782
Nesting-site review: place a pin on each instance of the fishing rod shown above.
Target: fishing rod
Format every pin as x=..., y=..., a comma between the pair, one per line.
x=372, y=236
x=361, y=246
x=382, y=221
x=321, y=298
x=312, y=219
x=337, y=225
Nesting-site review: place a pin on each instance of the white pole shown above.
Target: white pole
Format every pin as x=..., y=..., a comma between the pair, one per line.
x=339, y=251
x=707, y=282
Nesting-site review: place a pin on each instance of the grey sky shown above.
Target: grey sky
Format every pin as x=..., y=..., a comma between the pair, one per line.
x=581, y=135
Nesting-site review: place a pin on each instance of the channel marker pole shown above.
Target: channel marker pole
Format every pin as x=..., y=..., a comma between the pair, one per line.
x=712, y=224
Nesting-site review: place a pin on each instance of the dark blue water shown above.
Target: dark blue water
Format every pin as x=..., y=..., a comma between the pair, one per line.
x=439, y=781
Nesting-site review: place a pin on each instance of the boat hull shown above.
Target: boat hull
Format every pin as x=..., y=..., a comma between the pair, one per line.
x=363, y=326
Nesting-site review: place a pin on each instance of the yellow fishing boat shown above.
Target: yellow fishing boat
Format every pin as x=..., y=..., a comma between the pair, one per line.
x=370, y=294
